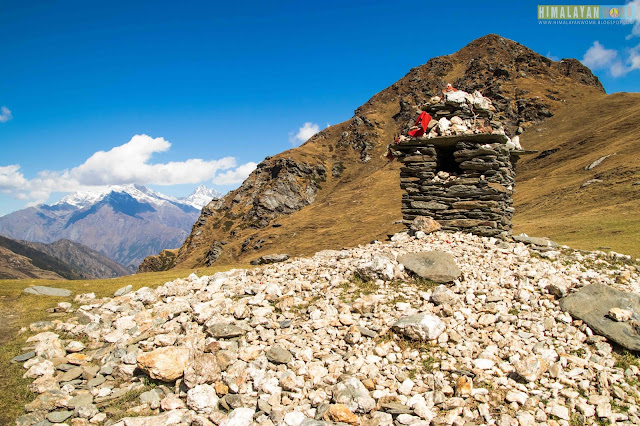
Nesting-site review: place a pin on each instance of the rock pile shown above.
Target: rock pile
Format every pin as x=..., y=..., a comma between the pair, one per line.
x=461, y=172
x=457, y=112
x=310, y=342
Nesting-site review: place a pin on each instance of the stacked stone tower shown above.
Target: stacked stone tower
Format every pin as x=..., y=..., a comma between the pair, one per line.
x=461, y=172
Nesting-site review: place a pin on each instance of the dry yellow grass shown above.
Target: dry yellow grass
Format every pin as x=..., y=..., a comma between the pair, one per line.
x=550, y=200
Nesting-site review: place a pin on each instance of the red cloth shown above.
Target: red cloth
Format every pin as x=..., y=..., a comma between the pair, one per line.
x=422, y=121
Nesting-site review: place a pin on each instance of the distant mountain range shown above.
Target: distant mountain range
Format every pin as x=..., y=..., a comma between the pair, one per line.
x=124, y=222
x=63, y=259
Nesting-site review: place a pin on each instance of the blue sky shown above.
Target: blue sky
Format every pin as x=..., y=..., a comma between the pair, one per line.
x=217, y=86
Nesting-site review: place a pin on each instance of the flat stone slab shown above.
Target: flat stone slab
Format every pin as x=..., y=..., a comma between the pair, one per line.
x=434, y=265
x=41, y=290
x=224, y=331
x=23, y=357
x=535, y=241
x=270, y=258
x=480, y=138
x=592, y=303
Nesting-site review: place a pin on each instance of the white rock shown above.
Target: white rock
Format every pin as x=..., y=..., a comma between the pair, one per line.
x=75, y=346
x=202, y=399
x=559, y=411
x=44, y=368
x=241, y=416
x=444, y=124
x=515, y=396
x=294, y=418
x=457, y=98
x=406, y=387
x=420, y=327
x=378, y=267
x=483, y=363
x=620, y=315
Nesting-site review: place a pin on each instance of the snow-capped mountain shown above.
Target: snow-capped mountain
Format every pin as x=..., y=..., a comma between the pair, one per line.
x=201, y=197
x=124, y=222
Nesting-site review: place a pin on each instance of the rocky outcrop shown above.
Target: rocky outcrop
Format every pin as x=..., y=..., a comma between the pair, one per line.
x=213, y=254
x=270, y=258
x=164, y=261
x=278, y=186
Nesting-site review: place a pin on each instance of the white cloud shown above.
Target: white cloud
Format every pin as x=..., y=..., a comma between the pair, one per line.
x=634, y=58
x=618, y=63
x=597, y=57
x=11, y=178
x=305, y=132
x=635, y=31
x=618, y=69
x=5, y=114
x=127, y=163
x=237, y=176
x=552, y=57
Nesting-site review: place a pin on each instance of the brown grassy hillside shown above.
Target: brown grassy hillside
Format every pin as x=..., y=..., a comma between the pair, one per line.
x=337, y=189
x=15, y=266
x=550, y=199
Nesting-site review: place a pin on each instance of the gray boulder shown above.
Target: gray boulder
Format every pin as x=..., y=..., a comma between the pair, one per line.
x=224, y=331
x=420, y=327
x=592, y=303
x=279, y=355
x=436, y=265
x=40, y=290
x=442, y=295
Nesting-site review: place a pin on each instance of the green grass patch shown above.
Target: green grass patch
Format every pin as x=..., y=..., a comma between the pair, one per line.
x=122, y=406
x=580, y=352
x=576, y=420
x=625, y=360
x=356, y=287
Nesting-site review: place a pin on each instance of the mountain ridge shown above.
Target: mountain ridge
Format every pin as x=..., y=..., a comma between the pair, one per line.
x=19, y=260
x=197, y=199
x=90, y=263
x=337, y=189
x=123, y=222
